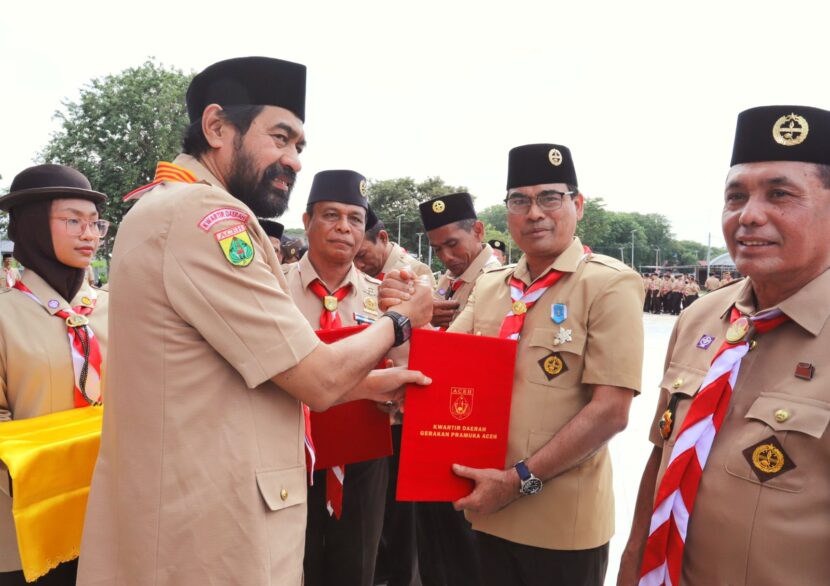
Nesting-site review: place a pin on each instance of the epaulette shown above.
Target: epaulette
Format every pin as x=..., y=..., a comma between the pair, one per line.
x=609, y=262
x=502, y=268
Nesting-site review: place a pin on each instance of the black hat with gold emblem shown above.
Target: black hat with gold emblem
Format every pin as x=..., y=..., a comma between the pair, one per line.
x=272, y=227
x=497, y=245
x=446, y=209
x=342, y=186
x=782, y=133
x=248, y=81
x=538, y=164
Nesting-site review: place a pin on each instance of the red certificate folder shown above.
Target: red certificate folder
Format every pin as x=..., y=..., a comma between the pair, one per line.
x=351, y=432
x=461, y=418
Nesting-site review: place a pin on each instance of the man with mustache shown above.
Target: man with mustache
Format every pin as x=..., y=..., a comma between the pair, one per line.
x=737, y=488
x=547, y=517
x=201, y=477
x=345, y=507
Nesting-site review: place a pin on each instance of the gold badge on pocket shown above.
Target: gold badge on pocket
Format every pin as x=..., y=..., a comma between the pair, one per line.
x=768, y=459
x=553, y=365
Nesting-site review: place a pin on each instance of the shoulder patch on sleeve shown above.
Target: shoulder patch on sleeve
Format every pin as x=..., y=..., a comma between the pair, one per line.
x=236, y=245
x=222, y=215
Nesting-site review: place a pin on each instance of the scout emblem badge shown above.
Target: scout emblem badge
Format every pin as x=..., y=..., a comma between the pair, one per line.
x=236, y=245
x=558, y=313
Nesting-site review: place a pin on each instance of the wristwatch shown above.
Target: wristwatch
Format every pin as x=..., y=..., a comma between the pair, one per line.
x=531, y=484
x=403, y=329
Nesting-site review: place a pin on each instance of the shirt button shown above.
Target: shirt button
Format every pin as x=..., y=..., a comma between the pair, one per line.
x=782, y=415
x=677, y=382
x=284, y=494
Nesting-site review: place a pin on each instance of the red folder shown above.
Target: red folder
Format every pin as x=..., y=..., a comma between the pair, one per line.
x=351, y=432
x=461, y=418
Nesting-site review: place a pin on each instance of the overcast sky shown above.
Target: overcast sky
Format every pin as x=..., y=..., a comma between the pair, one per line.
x=644, y=93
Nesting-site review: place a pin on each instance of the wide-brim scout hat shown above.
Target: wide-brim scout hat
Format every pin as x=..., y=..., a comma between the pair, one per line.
x=447, y=209
x=272, y=227
x=43, y=182
x=249, y=81
x=540, y=164
x=782, y=133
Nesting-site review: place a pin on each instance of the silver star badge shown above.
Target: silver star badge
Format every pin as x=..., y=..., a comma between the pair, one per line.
x=562, y=336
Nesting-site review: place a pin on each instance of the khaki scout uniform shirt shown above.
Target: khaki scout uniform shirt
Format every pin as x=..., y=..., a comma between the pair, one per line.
x=201, y=477
x=362, y=299
x=36, y=374
x=399, y=259
x=604, y=299
x=744, y=531
x=484, y=260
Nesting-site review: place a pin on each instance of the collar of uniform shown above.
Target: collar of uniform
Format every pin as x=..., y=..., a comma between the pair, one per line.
x=46, y=293
x=472, y=272
x=201, y=172
x=567, y=262
x=809, y=307
x=308, y=274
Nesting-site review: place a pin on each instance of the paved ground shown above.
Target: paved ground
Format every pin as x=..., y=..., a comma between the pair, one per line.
x=630, y=449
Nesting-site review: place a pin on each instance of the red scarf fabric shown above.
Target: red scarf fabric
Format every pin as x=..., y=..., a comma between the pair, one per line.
x=86, y=353
x=329, y=320
x=676, y=494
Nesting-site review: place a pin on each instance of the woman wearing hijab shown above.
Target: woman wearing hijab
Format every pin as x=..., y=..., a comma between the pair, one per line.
x=53, y=324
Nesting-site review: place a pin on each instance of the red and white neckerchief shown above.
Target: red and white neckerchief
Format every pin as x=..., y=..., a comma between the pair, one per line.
x=674, y=504
x=164, y=172
x=329, y=320
x=86, y=354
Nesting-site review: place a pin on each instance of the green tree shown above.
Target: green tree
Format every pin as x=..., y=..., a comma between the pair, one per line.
x=395, y=200
x=120, y=127
x=495, y=216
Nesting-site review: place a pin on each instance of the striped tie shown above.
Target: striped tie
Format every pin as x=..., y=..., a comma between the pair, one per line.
x=677, y=491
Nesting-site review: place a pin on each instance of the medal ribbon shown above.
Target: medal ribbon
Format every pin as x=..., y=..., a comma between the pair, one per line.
x=86, y=353
x=329, y=320
x=164, y=172
x=663, y=556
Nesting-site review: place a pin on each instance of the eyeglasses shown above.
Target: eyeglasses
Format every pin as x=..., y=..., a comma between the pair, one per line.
x=76, y=227
x=548, y=201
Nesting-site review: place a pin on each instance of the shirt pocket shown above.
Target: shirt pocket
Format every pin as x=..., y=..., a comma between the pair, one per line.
x=798, y=423
x=282, y=488
x=551, y=364
x=681, y=382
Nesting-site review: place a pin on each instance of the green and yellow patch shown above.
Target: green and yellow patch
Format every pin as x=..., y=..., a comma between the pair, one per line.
x=236, y=244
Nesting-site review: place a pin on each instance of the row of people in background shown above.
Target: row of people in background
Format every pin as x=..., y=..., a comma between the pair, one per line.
x=670, y=293
x=213, y=365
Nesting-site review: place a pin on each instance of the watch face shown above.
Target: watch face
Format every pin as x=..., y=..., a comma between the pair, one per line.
x=531, y=486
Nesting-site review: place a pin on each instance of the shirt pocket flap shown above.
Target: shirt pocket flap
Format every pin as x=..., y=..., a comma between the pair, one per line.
x=682, y=379
x=783, y=412
x=283, y=488
x=547, y=337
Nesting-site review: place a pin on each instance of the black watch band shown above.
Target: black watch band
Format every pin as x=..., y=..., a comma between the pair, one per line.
x=403, y=329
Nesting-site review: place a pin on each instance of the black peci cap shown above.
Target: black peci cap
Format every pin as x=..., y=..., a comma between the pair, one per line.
x=782, y=133
x=538, y=164
x=497, y=245
x=249, y=81
x=271, y=227
x=342, y=186
x=446, y=209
